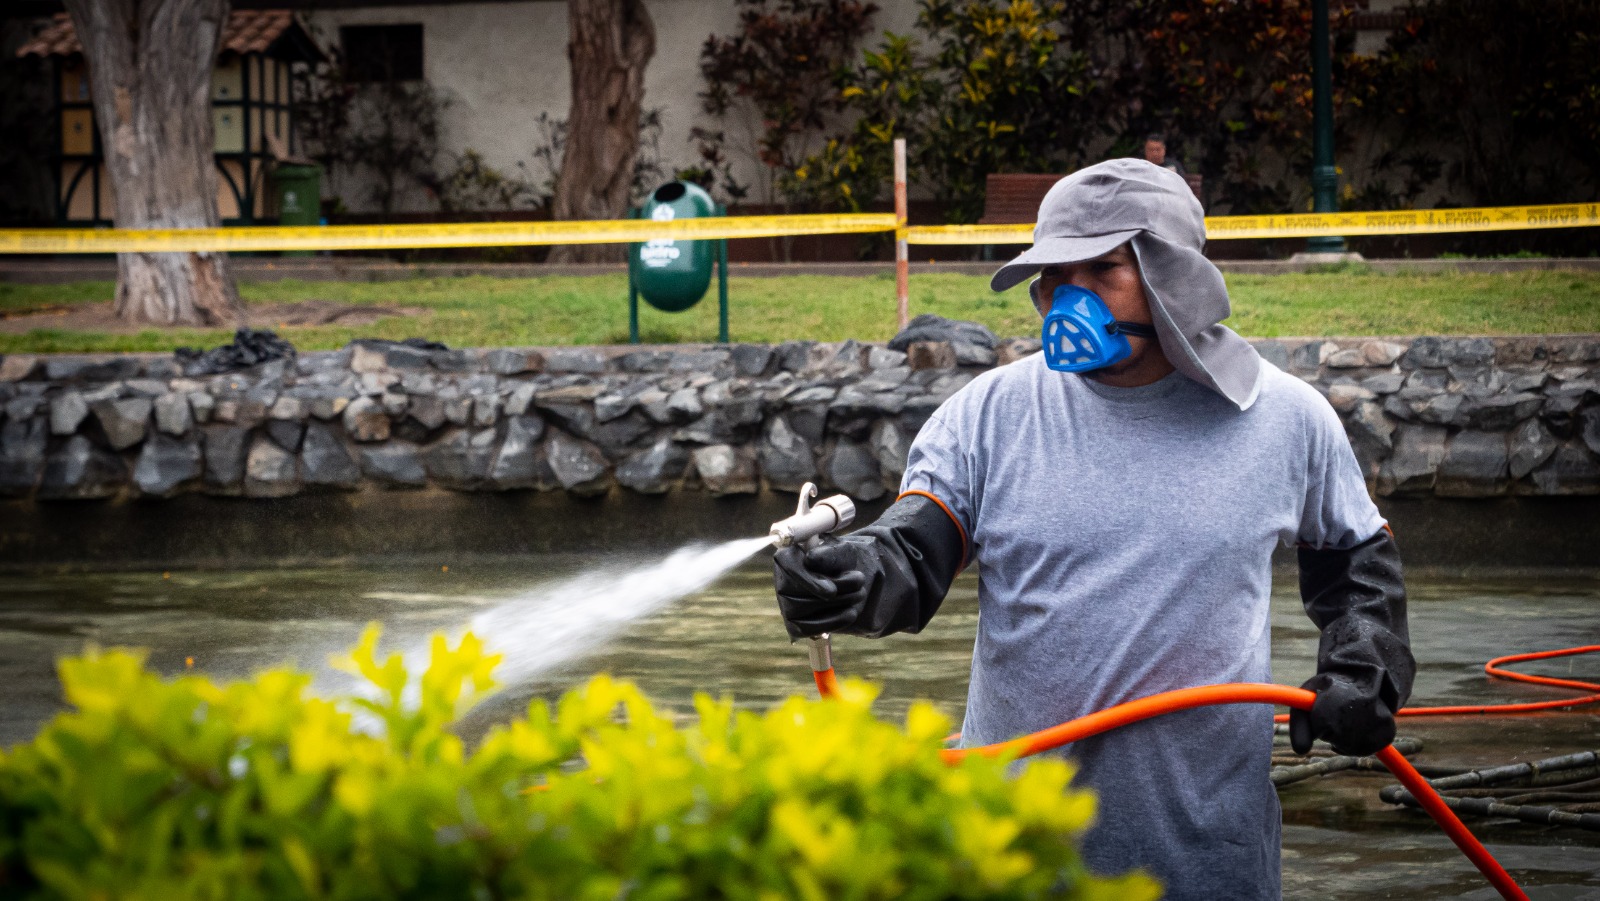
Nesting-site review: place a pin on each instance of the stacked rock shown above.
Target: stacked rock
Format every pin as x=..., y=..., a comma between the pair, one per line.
x=1461, y=417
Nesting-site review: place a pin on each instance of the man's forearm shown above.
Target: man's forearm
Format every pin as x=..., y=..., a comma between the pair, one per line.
x=1357, y=597
x=890, y=576
x=919, y=550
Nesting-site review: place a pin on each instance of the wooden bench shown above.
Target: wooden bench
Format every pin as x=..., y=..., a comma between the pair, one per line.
x=1013, y=198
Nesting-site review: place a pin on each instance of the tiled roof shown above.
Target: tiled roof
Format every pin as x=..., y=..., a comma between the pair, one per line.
x=247, y=31
x=253, y=31
x=57, y=39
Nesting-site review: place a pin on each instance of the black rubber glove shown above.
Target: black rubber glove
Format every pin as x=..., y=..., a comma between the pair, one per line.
x=1364, y=664
x=888, y=577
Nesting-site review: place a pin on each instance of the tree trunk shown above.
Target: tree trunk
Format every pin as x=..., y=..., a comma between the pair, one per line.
x=610, y=43
x=150, y=65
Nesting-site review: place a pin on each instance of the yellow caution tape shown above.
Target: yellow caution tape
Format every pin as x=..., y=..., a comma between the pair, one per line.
x=1404, y=222
x=1308, y=225
x=618, y=231
x=462, y=234
x=969, y=234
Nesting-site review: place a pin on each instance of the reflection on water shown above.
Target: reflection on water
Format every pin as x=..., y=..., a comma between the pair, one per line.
x=1339, y=840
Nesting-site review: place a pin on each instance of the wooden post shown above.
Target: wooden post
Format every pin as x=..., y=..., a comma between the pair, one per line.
x=902, y=258
x=722, y=287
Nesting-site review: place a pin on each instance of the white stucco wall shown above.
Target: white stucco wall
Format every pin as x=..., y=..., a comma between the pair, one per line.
x=1371, y=43
x=501, y=64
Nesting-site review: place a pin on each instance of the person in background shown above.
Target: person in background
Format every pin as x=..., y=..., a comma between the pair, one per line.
x=1155, y=151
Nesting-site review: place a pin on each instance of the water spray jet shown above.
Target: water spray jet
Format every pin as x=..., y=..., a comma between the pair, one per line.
x=550, y=625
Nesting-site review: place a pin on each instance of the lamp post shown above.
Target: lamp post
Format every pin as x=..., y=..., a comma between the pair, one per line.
x=1324, y=176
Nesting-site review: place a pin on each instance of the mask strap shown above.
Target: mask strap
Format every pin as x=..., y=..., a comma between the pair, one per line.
x=1137, y=329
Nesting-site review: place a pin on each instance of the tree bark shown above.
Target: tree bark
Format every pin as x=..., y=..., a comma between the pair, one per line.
x=150, y=64
x=610, y=43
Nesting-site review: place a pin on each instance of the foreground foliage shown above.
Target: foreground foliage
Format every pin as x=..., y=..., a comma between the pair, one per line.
x=562, y=310
x=184, y=788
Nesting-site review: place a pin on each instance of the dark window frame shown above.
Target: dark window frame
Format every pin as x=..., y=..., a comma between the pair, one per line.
x=382, y=53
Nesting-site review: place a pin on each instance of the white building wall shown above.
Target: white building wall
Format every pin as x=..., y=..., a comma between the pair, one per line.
x=1371, y=42
x=501, y=64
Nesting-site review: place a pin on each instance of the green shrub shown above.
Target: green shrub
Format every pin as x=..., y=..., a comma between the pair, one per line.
x=989, y=87
x=155, y=788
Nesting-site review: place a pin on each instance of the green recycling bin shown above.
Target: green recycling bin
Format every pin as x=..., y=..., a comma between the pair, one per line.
x=673, y=275
x=299, y=190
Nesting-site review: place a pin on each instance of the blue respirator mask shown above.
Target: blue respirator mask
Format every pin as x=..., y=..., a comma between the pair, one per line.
x=1079, y=333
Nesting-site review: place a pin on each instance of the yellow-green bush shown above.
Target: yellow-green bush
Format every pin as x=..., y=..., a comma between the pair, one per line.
x=153, y=788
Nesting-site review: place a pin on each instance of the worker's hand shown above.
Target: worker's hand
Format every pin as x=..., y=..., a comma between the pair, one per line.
x=821, y=589
x=1354, y=719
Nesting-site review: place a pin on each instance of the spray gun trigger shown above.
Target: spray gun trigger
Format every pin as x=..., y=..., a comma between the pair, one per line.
x=802, y=509
x=808, y=493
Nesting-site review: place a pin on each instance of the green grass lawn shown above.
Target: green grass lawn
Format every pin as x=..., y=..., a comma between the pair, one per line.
x=483, y=311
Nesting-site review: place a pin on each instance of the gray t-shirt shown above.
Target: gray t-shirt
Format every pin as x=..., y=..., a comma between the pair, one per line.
x=1124, y=539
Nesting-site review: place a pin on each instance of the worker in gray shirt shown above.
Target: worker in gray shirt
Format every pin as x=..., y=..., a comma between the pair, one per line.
x=1121, y=493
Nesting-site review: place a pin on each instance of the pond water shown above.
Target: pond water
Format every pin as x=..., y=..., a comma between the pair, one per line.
x=1340, y=841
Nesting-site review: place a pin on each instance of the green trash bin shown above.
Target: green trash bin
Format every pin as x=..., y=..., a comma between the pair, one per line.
x=299, y=188
x=670, y=275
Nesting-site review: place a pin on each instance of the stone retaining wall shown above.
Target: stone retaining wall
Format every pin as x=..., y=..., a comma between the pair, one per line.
x=1452, y=417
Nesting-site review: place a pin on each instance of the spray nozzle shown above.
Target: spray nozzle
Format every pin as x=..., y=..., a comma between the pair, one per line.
x=811, y=521
x=805, y=528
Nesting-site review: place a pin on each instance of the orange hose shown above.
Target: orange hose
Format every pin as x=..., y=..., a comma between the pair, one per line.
x=1134, y=711
x=1243, y=693
x=827, y=683
x=1493, y=668
x=1451, y=824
